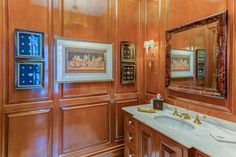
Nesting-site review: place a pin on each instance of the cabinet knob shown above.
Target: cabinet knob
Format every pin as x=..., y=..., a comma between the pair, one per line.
x=130, y=155
x=130, y=122
x=130, y=138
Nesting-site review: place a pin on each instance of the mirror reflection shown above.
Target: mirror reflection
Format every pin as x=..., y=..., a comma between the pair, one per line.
x=196, y=57
x=193, y=57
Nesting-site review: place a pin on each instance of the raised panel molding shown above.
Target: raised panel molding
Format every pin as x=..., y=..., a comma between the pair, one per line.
x=85, y=100
x=83, y=19
x=85, y=126
x=152, y=33
x=28, y=133
x=128, y=27
x=73, y=90
x=27, y=15
x=120, y=115
x=81, y=115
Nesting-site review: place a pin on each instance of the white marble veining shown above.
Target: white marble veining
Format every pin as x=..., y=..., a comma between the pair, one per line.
x=199, y=137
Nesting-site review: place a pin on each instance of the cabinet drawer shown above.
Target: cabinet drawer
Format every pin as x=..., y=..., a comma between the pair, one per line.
x=129, y=121
x=130, y=137
x=169, y=147
x=130, y=152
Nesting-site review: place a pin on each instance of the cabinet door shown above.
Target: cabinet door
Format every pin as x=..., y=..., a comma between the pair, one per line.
x=147, y=141
x=196, y=153
x=200, y=154
x=169, y=148
x=167, y=151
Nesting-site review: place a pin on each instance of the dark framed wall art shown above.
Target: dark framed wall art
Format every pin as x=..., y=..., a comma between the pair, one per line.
x=128, y=62
x=29, y=74
x=29, y=59
x=128, y=72
x=29, y=44
x=128, y=52
x=200, y=63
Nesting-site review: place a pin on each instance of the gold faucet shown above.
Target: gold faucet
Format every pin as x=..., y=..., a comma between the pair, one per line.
x=185, y=115
x=175, y=113
x=197, y=120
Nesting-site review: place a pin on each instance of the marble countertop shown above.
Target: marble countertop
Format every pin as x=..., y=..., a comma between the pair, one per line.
x=198, y=138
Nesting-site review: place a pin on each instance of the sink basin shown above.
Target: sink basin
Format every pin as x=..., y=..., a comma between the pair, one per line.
x=171, y=122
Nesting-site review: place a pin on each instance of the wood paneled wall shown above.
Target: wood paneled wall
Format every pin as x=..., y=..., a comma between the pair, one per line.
x=74, y=119
x=152, y=33
x=70, y=119
x=174, y=13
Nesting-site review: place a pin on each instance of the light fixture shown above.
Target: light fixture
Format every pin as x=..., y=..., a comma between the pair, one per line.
x=150, y=44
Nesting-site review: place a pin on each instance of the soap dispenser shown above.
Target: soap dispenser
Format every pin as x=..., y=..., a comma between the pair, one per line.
x=158, y=102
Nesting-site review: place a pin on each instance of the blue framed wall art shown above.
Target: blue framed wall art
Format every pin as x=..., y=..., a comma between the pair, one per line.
x=29, y=44
x=29, y=75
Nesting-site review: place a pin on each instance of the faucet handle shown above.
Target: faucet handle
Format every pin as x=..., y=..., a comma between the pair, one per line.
x=175, y=113
x=197, y=120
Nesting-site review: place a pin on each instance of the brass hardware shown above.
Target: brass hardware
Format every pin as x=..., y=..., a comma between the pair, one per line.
x=197, y=120
x=150, y=44
x=175, y=113
x=185, y=116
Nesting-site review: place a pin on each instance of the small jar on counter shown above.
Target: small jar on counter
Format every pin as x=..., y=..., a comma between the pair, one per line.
x=158, y=102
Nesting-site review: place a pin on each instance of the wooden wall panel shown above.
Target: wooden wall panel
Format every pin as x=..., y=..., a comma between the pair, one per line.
x=128, y=30
x=98, y=21
x=80, y=111
x=86, y=19
x=1, y=71
x=152, y=33
x=85, y=89
x=120, y=115
x=77, y=106
x=193, y=10
x=28, y=134
x=232, y=58
x=85, y=126
x=29, y=15
x=128, y=20
x=117, y=153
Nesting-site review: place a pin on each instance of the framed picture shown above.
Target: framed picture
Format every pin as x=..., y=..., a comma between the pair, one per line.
x=200, y=72
x=83, y=61
x=200, y=63
x=29, y=44
x=128, y=73
x=201, y=56
x=28, y=75
x=128, y=52
x=182, y=63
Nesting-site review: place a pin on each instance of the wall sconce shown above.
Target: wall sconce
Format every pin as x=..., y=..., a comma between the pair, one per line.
x=150, y=44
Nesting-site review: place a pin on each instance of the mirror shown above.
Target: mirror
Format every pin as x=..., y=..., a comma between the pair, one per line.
x=196, y=57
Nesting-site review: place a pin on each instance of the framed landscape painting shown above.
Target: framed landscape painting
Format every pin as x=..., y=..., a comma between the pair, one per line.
x=83, y=61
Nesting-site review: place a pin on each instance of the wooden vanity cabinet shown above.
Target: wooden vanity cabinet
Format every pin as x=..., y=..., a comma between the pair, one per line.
x=143, y=141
